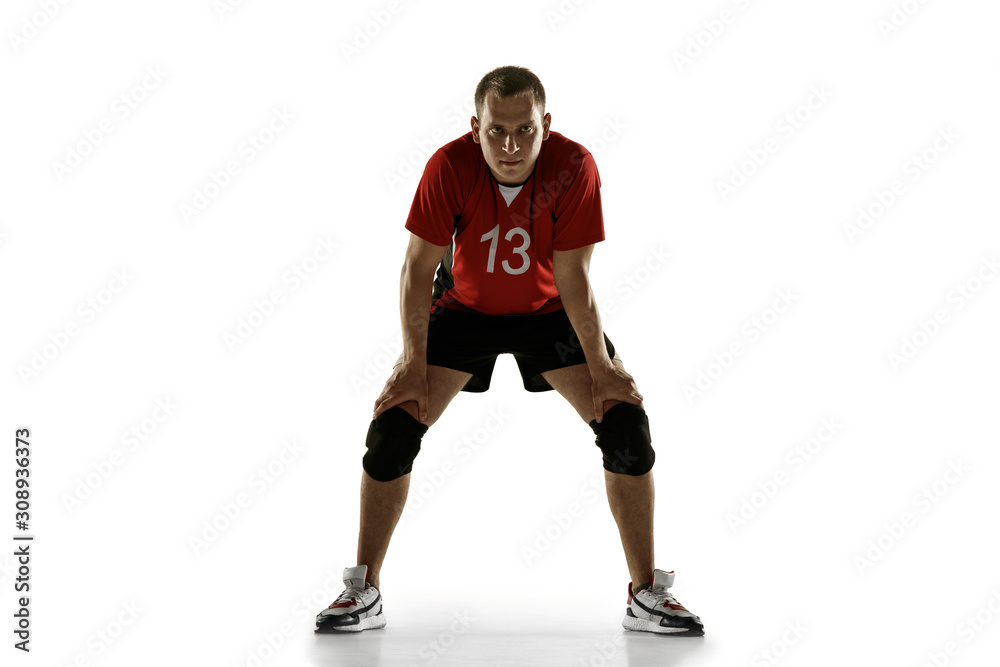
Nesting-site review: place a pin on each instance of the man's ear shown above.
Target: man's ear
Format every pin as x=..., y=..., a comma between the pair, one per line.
x=475, y=129
x=546, y=123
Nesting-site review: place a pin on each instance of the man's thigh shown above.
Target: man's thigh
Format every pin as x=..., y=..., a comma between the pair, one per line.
x=443, y=384
x=573, y=383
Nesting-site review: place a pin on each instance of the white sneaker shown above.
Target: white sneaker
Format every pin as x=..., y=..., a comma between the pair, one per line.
x=358, y=608
x=653, y=608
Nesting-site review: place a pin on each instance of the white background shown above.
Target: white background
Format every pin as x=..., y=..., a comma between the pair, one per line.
x=665, y=134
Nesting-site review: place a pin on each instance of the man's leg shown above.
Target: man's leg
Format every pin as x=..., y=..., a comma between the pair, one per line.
x=382, y=502
x=630, y=498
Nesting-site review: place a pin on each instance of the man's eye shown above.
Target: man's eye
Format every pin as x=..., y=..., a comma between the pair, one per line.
x=527, y=127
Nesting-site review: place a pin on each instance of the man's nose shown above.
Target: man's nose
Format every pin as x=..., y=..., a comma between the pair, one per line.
x=509, y=145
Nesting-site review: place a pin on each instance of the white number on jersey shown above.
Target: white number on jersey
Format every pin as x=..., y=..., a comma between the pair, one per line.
x=493, y=236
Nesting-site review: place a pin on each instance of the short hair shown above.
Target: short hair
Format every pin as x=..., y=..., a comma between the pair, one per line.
x=509, y=81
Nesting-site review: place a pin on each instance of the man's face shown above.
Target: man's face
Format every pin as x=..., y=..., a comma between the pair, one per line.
x=511, y=133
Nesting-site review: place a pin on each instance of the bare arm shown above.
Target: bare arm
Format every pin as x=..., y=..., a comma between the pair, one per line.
x=570, y=269
x=416, y=281
x=409, y=380
x=609, y=382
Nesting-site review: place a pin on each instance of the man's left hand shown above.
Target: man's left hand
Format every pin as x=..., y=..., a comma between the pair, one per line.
x=612, y=383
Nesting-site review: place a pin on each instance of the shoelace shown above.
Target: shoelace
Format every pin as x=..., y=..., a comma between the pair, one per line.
x=665, y=597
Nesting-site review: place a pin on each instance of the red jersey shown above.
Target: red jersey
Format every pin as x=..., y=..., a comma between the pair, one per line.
x=499, y=259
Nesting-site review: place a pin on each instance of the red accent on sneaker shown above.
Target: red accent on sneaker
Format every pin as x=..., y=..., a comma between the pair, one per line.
x=342, y=604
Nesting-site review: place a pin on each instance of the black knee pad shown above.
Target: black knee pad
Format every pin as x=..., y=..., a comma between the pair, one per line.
x=623, y=436
x=393, y=442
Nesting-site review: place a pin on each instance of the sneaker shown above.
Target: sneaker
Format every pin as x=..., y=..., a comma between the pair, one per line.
x=654, y=609
x=358, y=608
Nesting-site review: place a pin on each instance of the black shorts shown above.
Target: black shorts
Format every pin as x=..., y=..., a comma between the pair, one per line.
x=470, y=342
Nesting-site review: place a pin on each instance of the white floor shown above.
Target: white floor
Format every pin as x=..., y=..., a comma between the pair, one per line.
x=501, y=638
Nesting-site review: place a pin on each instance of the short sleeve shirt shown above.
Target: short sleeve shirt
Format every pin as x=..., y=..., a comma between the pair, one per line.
x=499, y=260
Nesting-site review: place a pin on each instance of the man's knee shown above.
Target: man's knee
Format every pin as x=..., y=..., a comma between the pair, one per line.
x=393, y=442
x=623, y=437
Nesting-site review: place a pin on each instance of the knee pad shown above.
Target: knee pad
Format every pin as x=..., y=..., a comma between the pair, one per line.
x=623, y=437
x=393, y=442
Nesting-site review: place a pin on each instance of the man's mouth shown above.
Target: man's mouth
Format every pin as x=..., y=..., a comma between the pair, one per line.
x=509, y=162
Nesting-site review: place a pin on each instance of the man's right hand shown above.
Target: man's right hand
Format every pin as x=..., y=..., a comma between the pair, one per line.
x=407, y=383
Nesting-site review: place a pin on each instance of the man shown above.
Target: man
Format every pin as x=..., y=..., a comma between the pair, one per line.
x=508, y=216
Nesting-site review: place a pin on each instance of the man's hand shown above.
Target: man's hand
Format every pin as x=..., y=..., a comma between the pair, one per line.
x=407, y=383
x=612, y=383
